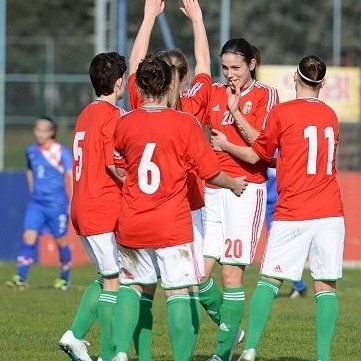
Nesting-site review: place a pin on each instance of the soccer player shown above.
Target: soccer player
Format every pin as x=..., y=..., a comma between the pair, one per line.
x=49, y=170
x=194, y=101
x=308, y=219
x=299, y=288
x=159, y=145
x=233, y=225
x=95, y=205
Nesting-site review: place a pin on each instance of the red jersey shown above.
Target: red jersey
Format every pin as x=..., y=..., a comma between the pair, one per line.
x=194, y=101
x=306, y=133
x=159, y=146
x=256, y=101
x=96, y=197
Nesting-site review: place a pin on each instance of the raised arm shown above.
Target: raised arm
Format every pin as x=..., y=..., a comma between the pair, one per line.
x=193, y=11
x=249, y=133
x=152, y=9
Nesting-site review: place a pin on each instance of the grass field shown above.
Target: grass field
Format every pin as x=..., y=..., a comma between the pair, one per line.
x=33, y=320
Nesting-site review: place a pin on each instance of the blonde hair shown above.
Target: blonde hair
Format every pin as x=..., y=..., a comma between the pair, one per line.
x=179, y=69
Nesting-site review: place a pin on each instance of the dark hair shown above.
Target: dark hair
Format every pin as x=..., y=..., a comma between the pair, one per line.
x=105, y=69
x=179, y=67
x=312, y=70
x=153, y=76
x=240, y=46
x=51, y=123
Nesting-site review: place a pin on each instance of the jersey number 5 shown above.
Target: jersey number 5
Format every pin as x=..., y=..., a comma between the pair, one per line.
x=311, y=133
x=78, y=153
x=148, y=171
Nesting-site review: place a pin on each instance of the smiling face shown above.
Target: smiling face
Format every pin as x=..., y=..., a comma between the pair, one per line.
x=236, y=70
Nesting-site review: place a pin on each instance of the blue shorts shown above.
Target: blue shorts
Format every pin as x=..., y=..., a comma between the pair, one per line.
x=42, y=218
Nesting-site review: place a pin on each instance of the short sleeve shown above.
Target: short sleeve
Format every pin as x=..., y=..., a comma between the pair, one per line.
x=267, y=142
x=269, y=99
x=108, y=138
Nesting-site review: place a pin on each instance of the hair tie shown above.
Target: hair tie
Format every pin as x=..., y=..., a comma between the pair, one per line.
x=308, y=79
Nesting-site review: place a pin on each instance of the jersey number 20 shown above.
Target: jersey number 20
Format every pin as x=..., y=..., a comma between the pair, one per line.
x=148, y=171
x=311, y=133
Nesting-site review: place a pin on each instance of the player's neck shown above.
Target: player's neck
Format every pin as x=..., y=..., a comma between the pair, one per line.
x=307, y=93
x=150, y=102
x=108, y=98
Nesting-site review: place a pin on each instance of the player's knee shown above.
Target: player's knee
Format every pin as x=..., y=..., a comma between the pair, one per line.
x=30, y=237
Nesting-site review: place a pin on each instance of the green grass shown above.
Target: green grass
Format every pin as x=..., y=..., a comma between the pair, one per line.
x=33, y=320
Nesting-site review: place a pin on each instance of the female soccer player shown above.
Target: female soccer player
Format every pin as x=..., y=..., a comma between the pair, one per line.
x=155, y=227
x=308, y=220
x=233, y=225
x=48, y=175
x=194, y=101
x=96, y=203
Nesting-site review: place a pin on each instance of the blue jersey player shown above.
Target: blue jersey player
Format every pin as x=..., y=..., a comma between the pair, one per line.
x=49, y=167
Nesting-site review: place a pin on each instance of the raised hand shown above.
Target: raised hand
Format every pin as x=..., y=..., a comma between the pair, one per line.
x=153, y=8
x=234, y=95
x=191, y=10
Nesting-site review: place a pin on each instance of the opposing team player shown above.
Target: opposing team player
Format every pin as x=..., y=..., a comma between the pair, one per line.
x=233, y=225
x=95, y=205
x=194, y=101
x=155, y=224
x=308, y=220
x=49, y=179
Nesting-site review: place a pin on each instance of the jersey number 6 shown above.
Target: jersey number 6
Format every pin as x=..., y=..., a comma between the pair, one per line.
x=148, y=171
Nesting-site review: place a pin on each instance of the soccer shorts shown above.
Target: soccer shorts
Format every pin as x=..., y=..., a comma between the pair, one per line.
x=290, y=243
x=176, y=265
x=103, y=251
x=198, y=239
x=232, y=225
x=42, y=218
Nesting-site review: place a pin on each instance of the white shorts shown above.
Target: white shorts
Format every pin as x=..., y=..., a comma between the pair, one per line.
x=291, y=242
x=176, y=266
x=198, y=241
x=103, y=251
x=232, y=225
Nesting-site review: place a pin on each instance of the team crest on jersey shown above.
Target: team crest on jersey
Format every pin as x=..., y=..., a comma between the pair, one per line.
x=247, y=107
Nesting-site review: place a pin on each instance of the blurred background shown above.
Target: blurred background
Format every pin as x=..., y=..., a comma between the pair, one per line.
x=46, y=47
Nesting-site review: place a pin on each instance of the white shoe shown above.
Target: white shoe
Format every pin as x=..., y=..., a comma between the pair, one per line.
x=237, y=340
x=214, y=358
x=248, y=355
x=76, y=349
x=121, y=356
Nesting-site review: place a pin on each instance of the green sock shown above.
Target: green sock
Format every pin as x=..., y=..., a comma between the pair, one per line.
x=230, y=318
x=196, y=316
x=143, y=333
x=326, y=316
x=260, y=308
x=179, y=319
x=211, y=299
x=126, y=316
x=87, y=311
x=106, y=306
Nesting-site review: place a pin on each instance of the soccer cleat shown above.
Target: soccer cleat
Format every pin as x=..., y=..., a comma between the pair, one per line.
x=237, y=340
x=295, y=294
x=214, y=358
x=60, y=284
x=121, y=356
x=76, y=349
x=248, y=355
x=17, y=282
